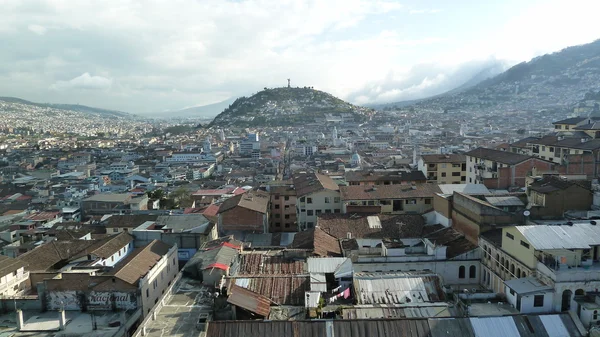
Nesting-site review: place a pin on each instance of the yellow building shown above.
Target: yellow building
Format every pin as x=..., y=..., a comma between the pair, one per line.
x=444, y=168
x=395, y=199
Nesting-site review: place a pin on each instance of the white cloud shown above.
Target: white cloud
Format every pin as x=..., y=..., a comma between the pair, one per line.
x=39, y=30
x=424, y=11
x=85, y=81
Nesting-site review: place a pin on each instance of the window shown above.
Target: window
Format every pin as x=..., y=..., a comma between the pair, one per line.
x=524, y=244
x=155, y=283
x=147, y=292
x=310, y=224
x=303, y=210
x=461, y=272
x=286, y=198
x=443, y=174
x=510, y=236
x=278, y=224
x=411, y=201
x=371, y=203
x=595, y=317
x=455, y=165
x=173, y=261
x=309, y=200
x=327, y=200
x=286, y=206
x=538, y=301
x=276, y=197
x=472, y=271
x=112, y=259
x=277, y=216
x=302, y=199
x=327, y=211
x=287, y=216
x=318, y=212
x=456, y=174
x=287, y=225
x=336, y=200
x=444, y=165
x=276, y=206
x=337, y=210
x=309, y=212
x=512, y=292
x=115, y=230
x=427, y=201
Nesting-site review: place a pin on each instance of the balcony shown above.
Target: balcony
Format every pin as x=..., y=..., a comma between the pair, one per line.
x=563, y=273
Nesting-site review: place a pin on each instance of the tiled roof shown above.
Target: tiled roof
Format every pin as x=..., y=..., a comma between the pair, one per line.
x=322, y=243
x=48, y=255
x=392, y=226
x=308, y=183
x=9, y=265
x=257, y=201
x=361, y=176
x=455, y=242
x=137, y=264
x=112, y=245
x=551, y=184
x=379, y=192
x=258, y=263
x=504, y=157
x=571, y=121
x=128, y=220
x=444, y=158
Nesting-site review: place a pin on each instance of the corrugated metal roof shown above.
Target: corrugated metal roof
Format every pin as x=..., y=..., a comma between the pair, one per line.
x=397, y=288
x=451, y=327
x=324, y=264
x=494, y=327
x=548, y=237
x=344, y=270
x=505, y=201
x=249, y=300
x=318, y=282
x=281, y=289
x=391, y=311
x=286, y=239
x=554, y=326
x=530, y=326
x=381, y=327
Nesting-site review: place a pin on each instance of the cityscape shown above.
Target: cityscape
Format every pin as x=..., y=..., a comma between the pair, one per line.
x=296, y=211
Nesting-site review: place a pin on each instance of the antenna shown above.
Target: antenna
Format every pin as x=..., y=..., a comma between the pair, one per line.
x=288, y=82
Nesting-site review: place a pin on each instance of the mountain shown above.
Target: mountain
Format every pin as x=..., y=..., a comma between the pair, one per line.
x=559, y=80
x=210, y=110
x=288, y=107
x=70, y=107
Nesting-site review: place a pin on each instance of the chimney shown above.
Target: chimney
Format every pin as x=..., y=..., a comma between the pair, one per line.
x=62, y=319
x=20, y=323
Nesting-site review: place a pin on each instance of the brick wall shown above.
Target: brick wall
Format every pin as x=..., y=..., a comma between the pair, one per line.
x=241, y=219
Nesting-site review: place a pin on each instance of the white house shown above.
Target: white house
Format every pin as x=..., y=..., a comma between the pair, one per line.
x=316, y=194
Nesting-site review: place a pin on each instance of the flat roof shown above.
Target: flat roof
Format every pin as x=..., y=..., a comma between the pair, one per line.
x=527, y=285
x=563, y=236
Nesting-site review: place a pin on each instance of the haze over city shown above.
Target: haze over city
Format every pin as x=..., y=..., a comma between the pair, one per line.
x=143, y=57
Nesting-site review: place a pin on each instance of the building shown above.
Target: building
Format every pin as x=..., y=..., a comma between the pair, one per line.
x=282, y=216
x=213, y=262
x=395, y=199
x=444, y=168
x=384, y=177
x=118, y=223
x=551, y=197
x=108, y=203
x=14, y=278
x=150, y=269
x=316, y=194
x=501, y=169
x=250, y=147
x=244, y=213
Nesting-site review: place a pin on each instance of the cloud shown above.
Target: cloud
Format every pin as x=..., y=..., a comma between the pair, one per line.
x=85, y=81
x=39, y=30
x=165, y=55
x=424, y=11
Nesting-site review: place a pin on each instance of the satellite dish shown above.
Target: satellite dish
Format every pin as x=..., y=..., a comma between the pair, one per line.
x=526, y=213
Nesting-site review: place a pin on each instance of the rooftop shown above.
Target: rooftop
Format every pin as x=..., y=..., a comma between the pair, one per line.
x=444, y=158
x=388, y=192
x=392, y=226
x=503, y=157
x=570, y=236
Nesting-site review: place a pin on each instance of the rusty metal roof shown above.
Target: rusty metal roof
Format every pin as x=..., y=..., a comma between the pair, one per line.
x=281, y=289
x=249, y=300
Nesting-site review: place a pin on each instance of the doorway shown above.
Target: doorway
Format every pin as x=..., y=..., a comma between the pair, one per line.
x=566, y=300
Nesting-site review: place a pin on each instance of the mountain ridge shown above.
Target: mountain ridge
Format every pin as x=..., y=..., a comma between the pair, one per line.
x=70, y=107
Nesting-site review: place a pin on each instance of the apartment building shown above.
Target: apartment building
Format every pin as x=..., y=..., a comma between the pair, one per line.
x=384, y=177
x=394, y=199
x=244, y=213
x=502, y=169
x=552, y=196
x=444, y=168
x=283, y=209
x=316, y=194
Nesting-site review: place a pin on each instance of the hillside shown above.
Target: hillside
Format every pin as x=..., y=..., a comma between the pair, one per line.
x=69, y=107
x=288, y=107
x=558, y=80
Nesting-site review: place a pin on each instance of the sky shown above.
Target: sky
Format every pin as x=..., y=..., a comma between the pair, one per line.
x=158, y=56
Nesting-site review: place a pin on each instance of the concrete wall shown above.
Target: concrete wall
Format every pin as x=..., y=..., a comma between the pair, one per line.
x=448, y=270
x=527, y=302
x=318, y=203
x=242, y=219
x=516, y=249
x=472, y=217
x=558, y=202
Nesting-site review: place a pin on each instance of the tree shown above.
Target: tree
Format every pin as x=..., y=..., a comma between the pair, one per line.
x=181, y=197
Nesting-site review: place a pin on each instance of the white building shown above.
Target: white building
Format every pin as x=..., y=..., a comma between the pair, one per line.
x=14, y=280
x=316, y=194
